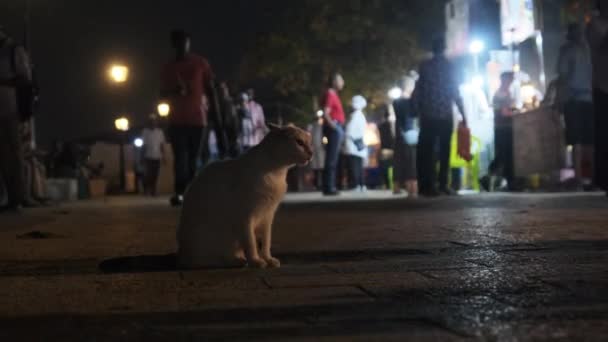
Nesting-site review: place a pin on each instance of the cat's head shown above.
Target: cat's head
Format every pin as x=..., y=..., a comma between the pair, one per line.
x=291, y=144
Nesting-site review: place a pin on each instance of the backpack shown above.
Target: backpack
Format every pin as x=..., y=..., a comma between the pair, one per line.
x=27, y=93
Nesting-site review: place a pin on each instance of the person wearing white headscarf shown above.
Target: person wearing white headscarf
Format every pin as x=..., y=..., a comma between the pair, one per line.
x=354, y=146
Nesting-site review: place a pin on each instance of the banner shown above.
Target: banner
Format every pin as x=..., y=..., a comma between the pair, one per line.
x=516, y=21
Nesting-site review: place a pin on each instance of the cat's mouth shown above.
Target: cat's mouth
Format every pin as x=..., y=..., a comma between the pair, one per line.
x=306, y=162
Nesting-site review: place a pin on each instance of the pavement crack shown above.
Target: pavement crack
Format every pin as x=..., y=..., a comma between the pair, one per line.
x=266, y=282
x=367, y=292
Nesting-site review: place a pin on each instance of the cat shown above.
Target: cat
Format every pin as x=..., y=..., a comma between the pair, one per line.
x=230, y=204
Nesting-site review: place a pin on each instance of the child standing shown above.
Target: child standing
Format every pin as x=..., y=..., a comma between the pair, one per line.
x=354, y=146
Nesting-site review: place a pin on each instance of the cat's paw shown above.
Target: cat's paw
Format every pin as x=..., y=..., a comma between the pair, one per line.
x=258, y=263
x=273, y=262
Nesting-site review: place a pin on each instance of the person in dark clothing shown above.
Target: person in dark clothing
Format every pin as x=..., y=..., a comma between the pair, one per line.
x=405, y=151
x=598, y=42
x=574, y=70
x=434, y=97
x=386, y=129
x=66, y=161
x=503, y=163
x=231, y=120
x=14, y=70
x=188, y=84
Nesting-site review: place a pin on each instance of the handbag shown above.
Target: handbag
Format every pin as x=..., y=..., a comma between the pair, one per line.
x=411, y=137
x=359, y=144
x=464, y=143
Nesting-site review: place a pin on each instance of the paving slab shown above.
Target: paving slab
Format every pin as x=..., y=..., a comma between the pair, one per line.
x=494, y=267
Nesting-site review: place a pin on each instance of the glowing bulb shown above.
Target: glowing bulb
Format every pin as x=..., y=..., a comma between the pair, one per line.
x=516, y=68
x=163, y=109
x=138, y=142
x=527, y=93
x=122, y=124
x=119, y=73
x=476, y=47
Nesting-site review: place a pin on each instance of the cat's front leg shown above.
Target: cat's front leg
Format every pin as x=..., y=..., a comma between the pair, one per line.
x=251, y=249
x=266, y=232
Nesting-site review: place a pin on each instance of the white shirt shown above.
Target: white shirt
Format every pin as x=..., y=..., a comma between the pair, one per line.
x=258, y=122
x=153, y=142
x=355, y=129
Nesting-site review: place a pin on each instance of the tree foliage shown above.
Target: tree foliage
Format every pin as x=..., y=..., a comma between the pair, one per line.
x=372, y=43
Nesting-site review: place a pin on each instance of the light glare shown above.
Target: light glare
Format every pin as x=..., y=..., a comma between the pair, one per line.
x=163, y=109
x=476, y=47
x=122, y=124
x=119, y=73
x=395, y=93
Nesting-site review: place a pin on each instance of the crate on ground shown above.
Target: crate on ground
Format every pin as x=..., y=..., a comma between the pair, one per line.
x=97, y=188
x=62, y=189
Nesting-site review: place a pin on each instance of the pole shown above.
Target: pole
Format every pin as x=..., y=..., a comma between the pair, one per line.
x=476, y=63
x=26, y=29
x=122, y=170
x=27, y=45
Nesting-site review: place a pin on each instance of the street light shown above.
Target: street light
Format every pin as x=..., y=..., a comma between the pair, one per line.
x=476, y=47
x=122, y=124
x=164, y=109
x=138, y=142
x=118, y=73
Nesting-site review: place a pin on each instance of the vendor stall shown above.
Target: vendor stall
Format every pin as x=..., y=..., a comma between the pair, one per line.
x=538, y=142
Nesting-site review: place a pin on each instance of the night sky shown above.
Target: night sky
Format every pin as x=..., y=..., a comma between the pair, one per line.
x=73, y=42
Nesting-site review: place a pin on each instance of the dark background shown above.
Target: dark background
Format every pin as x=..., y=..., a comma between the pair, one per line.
x=73, y=42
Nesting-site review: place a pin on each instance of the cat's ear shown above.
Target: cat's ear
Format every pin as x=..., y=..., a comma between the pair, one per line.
x=274, y=127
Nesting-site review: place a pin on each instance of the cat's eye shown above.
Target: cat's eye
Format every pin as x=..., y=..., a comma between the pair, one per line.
x=300, y=142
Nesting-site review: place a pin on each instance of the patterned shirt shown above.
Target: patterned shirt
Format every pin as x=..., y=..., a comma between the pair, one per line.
x=437, y=90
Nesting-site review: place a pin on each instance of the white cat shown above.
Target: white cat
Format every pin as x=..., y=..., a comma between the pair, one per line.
x=232, y=203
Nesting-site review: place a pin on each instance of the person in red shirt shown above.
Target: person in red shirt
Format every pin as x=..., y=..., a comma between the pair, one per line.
x=333, y=129
x=187, y=84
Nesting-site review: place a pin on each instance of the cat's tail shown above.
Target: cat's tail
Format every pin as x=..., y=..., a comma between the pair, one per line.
x=139, y=264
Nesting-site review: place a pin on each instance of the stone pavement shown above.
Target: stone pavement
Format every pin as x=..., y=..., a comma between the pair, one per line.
x=375, y=268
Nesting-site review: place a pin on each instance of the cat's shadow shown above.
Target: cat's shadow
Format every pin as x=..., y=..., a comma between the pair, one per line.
x=140, y=264
x=168, y=262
